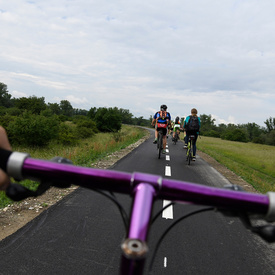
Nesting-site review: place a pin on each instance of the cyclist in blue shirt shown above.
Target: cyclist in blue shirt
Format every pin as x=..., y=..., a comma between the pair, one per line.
x=192, y=126
x=161, y=121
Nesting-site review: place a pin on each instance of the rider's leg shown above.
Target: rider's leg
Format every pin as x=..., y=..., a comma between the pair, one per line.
x=164, y=143
x=186, y=140
x=156, y=136
x=195, y=146
x=164, y=140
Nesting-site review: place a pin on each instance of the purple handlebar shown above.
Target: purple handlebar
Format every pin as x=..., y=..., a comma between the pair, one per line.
x=144, y=188
x=125, y=183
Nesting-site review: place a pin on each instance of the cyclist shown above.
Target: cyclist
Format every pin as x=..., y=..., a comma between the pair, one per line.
x=161, y=120
x=192, y=126
x=176, y=127
x=4, y=144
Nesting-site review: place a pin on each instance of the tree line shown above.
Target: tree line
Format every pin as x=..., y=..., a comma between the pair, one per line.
x=33, y=122
x=66, y=125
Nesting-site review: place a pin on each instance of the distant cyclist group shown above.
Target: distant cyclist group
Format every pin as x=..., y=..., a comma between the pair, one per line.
x=191, y=127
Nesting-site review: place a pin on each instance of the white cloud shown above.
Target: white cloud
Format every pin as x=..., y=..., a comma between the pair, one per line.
x=216, y=55
x=17, y=94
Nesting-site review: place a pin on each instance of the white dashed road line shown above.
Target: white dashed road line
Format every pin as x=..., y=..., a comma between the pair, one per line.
x=168, y=212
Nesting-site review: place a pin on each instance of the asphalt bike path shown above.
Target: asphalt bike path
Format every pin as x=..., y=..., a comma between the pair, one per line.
x=82, y=233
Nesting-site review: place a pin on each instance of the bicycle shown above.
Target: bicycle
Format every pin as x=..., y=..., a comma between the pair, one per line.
x=144, y=189
x=176, y=138
x=189, y=150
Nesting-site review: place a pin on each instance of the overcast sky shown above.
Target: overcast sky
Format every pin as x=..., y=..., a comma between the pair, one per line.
x=217, y=56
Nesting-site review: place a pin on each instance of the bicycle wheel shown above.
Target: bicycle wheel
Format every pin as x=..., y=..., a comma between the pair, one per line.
x=190, y=153
x=160, y=137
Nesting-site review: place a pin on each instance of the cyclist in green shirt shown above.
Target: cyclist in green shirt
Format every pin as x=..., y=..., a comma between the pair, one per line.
x=176, y=127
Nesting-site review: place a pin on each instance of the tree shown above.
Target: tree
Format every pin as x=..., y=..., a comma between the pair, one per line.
x=92, y=112
x=270, y=124
x=55, y=108
x=5, y=97
x=66, y=108
x=108, y=120
x=126, y=116
x=31, y=104
x=253, y=130
x=207, y=124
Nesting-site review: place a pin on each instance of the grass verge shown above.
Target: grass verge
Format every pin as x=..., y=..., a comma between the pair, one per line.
x=84, y=154
x=254, y=163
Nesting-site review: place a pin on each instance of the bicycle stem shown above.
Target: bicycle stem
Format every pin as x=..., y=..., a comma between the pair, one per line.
x=134, y=247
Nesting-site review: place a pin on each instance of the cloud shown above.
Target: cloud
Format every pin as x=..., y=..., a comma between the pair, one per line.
x=216, y=55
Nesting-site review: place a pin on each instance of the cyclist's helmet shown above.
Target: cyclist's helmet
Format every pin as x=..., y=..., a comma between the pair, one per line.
x=177, y=119
x=163, y=107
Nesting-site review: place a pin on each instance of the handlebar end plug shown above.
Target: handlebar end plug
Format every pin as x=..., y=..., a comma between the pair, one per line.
x=134, y=249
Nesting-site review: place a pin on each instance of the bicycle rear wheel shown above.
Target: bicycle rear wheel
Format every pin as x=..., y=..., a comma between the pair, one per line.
x=189, y=152
x=160, y=142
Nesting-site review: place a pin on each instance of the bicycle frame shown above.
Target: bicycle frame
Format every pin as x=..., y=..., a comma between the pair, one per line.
x=145, y=189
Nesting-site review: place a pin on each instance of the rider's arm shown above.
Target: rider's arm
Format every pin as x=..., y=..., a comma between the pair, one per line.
x=4, y=143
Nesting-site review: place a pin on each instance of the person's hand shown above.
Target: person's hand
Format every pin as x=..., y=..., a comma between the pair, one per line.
x=5, y=144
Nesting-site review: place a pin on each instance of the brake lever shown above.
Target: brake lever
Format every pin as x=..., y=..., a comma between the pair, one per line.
x=266, y=232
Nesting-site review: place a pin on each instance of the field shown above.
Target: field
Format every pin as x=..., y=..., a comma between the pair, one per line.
x=255, y=163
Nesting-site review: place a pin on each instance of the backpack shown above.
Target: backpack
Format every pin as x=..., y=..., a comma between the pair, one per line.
x=162, y=115
x=193, y=124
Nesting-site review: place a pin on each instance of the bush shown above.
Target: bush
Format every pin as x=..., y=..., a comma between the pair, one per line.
x=212, y=133
x=6, y=120
x=67, y=135
x=84, y=132
x=108, y=120
x=270, y=138
x=32, y=130
x=235, y=135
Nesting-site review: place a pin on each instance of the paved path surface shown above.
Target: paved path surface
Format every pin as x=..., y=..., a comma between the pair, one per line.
x=82, y=233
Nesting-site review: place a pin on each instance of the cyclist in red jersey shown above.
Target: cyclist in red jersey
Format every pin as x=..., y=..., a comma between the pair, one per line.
x=162, y=120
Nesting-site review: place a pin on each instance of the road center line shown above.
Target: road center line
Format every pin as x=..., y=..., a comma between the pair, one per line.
x=167, y=171
x=165, y=262
x=168, y=212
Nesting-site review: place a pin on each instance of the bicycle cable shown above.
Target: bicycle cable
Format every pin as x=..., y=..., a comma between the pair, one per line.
x=171, y=226
x=122, y=211
x=158, y=214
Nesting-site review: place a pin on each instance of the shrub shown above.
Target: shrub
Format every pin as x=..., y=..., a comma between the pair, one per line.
x=235, y=135
x=5, y=120
x=108, y=120
x=33, y=130
x=84, y=132
x=212, y=133
x=67, y=135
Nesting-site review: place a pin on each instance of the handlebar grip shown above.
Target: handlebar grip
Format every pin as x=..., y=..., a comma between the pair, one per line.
x=4, y=157
x=12, y=162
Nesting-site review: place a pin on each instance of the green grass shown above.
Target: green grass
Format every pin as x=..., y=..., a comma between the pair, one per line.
x=85, y=153
x=255, y=163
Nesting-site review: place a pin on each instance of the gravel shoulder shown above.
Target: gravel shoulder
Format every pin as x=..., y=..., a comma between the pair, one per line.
x=15, y=216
